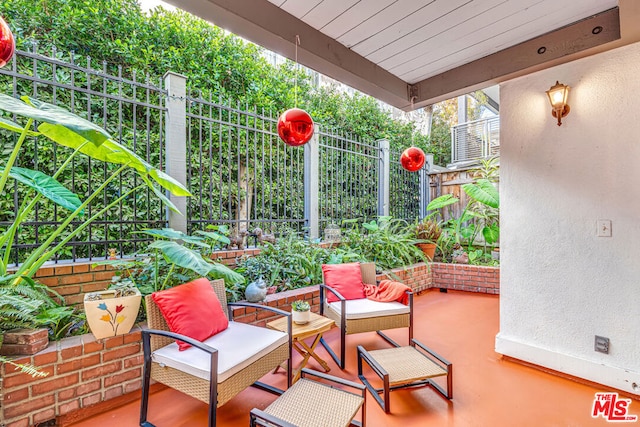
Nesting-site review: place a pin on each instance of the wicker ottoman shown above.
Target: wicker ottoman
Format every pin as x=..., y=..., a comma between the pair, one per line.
x=310, y=403
x=401, y=367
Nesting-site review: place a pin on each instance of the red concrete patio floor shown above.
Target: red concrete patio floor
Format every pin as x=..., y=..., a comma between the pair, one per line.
x=488, y=390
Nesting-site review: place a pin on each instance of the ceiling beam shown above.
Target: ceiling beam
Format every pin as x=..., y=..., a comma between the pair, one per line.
x=267, y=25
x=271, y=27
x=547, y=50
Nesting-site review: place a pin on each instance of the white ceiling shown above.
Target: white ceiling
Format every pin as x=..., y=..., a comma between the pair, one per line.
x=413, y=52
x=417, y=39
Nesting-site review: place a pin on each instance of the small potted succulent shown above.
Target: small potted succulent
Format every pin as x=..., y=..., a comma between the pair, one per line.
x=428, y=232
x=300, y=312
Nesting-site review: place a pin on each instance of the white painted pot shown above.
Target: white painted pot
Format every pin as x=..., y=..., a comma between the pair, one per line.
x=301, y=317
x=108, y=315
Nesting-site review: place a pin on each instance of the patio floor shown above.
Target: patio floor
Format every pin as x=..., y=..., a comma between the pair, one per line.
x=488, y=390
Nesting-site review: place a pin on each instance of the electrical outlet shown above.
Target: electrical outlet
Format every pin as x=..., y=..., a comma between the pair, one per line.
x=603, y=228
x=601, y=344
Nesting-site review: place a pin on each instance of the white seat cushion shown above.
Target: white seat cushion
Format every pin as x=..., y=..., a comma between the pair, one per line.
x=238, y=346
x=364, y=308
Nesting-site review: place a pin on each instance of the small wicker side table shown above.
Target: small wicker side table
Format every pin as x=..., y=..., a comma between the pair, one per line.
x=402, y=367
x=310, y=403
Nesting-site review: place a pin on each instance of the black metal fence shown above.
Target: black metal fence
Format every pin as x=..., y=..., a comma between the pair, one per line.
x=349, y=174
x=238, y=170
x=129, y=108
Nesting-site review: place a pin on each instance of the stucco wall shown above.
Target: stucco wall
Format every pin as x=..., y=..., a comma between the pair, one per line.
x=560, y=284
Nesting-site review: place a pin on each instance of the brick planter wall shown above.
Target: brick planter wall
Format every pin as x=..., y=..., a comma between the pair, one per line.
x=462, y=277
x=86, y=376
x=82, y=372
x=72, y=281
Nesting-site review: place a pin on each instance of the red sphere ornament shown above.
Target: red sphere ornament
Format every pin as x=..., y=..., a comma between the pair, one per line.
x=295, y=127
x=412, y=159
x=7, y=43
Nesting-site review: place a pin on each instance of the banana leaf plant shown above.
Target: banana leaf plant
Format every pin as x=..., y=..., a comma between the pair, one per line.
x=83, y=137
x=480, y=215
x=174, y=257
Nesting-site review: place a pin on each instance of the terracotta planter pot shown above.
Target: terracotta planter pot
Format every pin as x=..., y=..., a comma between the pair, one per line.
x=301, y=317
x=428, y=249
x=108, y=315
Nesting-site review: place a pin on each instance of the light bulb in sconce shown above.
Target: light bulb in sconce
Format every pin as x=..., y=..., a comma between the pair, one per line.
x=558, y=95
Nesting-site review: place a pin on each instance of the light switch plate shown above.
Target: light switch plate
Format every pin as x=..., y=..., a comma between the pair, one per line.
x=603, y=228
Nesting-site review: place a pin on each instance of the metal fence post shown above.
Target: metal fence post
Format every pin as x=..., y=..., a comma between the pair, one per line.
x=425, y=194
x=312, y=185
x=176, y=144
x=383, y=178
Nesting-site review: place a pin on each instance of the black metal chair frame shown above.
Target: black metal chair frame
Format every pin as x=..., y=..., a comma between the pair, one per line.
x=213, y=379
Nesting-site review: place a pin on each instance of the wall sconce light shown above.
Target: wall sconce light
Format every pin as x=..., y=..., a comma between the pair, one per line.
x=558, y=95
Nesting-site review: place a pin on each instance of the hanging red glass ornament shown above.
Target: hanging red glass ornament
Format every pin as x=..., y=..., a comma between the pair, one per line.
x=7, y=43
x=295, y=127
x=412, y=159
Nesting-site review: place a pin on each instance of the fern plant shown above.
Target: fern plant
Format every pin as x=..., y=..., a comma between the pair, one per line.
x=26, y=368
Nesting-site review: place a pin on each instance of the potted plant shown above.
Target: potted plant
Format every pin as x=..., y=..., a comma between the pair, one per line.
x=300, y=312
x=428, y=232
x=112, y=312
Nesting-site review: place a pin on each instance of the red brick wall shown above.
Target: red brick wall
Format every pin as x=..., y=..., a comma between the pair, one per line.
x=74, y=280
x=229, y=258
x=462, y=277
x=84, y=372
x=417, y=278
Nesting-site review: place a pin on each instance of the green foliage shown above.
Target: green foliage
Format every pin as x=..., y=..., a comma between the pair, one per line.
x=290, y=263
x=479, y=217
x=483, y=192
x=294, y=262
x=428, y=230
x=25, y=303
x=172, y=259
x=28, y=304
x=69, y=130
x=388, y=242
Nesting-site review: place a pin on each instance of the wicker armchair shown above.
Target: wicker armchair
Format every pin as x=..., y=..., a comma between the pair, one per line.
x=205, y=371
x=356, y=316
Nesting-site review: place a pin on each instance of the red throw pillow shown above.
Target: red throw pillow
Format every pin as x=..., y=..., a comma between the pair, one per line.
x=344, y=278
x=192, y=309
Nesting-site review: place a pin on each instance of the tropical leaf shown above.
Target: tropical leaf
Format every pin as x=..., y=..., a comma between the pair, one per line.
x=217, y=237
x=484, y=192
x=8, y=124
x=491, y=233
x=47, y=186
x=170, y=233
x=69, y=130
x=221, y=271
x=67, y=122
x=442, y=201
x=371, y=226
x=160, y=195
x=183, y=257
